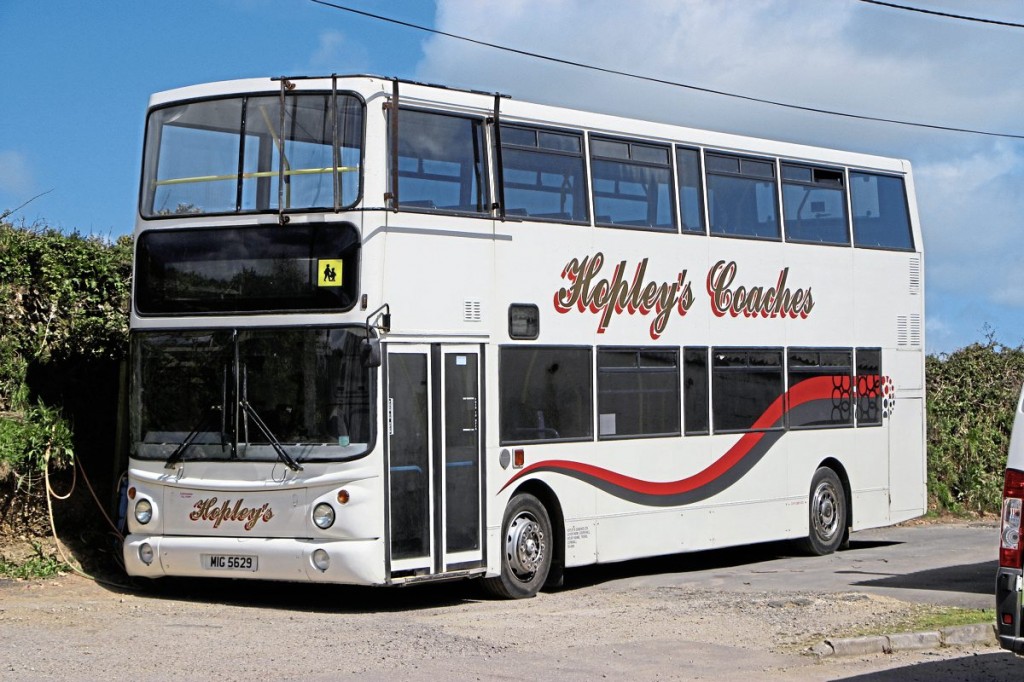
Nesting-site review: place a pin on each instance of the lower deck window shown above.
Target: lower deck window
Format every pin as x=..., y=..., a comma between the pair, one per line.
x=695, y=390
x=870, y=392
x=637, y=392
x=545, y=393
x=746, y=383
x=820, y=388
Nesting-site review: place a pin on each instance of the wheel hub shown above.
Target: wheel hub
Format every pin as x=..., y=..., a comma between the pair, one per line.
x=826, y=520
x=525, y=546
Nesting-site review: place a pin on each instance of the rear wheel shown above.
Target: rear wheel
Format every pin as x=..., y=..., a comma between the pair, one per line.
x=827, y=513
x=525, y=549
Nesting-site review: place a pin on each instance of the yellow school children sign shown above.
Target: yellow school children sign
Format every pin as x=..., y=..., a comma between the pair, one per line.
x=329, y=273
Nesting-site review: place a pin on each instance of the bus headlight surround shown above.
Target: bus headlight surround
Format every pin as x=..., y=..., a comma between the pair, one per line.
x=323, y=516
x=143, y=511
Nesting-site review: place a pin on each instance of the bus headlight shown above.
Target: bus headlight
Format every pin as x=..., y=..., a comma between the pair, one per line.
x=146, y=553
x=323, y=516
x=143, y=511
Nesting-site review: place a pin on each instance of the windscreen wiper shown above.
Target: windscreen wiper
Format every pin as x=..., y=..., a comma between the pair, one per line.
x=251, y=413
x=207, y=422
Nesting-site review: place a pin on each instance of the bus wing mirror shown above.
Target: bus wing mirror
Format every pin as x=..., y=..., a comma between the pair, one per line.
x=370, y=352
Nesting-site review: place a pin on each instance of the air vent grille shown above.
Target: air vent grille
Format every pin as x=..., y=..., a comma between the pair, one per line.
x=908, y=330
x=471, y=311
x=915, y=276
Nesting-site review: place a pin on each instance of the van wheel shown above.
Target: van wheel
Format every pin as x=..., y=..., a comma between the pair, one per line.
x=525, y=550
x=827, y=513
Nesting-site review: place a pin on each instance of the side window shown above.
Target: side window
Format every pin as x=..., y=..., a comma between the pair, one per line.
x=820, y=388
x=545, y=393
x=814, y=205
x=691, y=195
x=695, y=391
x=632, y=184
x=544, y=176
x=869, y=387
x=880, y=216
x=441, y=163
x=747, y=389
x=637, y=392
x=741, y=196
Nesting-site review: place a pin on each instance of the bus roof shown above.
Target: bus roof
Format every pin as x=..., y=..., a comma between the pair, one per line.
x=480, y=102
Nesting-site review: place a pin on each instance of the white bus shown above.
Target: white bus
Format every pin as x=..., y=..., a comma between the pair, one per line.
x=386, y=332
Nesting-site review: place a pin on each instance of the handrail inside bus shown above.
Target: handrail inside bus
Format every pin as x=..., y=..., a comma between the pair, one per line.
x=255, y=174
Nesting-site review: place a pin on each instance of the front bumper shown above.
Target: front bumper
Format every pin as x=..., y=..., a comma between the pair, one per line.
x=354, y=562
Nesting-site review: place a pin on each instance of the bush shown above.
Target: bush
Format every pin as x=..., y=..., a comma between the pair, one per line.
x=971, y=397
x=29, y=440
x=64, y=312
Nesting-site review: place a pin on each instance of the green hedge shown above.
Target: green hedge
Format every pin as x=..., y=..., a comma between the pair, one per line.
x=64, y=312
x=971, y=397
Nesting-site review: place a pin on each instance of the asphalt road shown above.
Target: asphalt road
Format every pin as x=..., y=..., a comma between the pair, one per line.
x=741, y=613
x=943, y=564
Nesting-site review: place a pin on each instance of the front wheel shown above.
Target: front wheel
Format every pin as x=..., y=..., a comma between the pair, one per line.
x=828, y=513
x=525, y=549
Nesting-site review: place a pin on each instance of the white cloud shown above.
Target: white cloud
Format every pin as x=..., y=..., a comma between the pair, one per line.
x=337, y=53
x=837, y=55
x=972, y=209
x=15, y=175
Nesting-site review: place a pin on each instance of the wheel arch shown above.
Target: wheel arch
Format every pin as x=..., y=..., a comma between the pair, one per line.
x=547, y=497
x=844, y=478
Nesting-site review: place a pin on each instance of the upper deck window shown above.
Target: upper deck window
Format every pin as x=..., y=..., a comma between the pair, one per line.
x=442, y=163
x=814, y=204
x=224, y=155
x=632, y=184
x=544, y=177
x=880, y=216
x=741, y=196
x=691, y=194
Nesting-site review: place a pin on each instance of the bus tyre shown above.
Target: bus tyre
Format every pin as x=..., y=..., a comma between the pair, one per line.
x=828, y=513
x=525, y=549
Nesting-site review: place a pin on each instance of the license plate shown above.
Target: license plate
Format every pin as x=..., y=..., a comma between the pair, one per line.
x=229, y=562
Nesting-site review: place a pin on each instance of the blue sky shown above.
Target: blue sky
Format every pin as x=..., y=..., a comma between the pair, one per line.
x=78, y=76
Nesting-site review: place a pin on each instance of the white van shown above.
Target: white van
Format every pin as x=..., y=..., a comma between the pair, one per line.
x=1011, y=547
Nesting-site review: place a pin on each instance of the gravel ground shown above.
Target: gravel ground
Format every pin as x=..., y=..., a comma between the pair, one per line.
x=72, y=628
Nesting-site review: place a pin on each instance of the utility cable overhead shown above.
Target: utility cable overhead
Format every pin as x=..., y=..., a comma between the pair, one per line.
x=662, y=81
x=948, y=15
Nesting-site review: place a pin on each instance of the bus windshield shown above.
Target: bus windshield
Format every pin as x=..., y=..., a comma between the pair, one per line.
x=250, y=394
x=246, y=155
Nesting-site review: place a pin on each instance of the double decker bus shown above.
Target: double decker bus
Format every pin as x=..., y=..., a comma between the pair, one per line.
x=386, y=332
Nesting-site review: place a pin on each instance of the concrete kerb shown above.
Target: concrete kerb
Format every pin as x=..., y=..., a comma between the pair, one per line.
x=959, y=635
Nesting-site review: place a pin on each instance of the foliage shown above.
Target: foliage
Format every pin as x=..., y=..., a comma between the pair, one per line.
x=971, y=397
x=38, y=566
x=63, y=303
x=29, y=439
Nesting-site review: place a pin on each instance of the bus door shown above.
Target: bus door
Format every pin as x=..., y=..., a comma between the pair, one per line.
x=434, y=440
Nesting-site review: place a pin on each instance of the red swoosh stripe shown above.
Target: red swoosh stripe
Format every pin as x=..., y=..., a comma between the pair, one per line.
x=688, y=489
